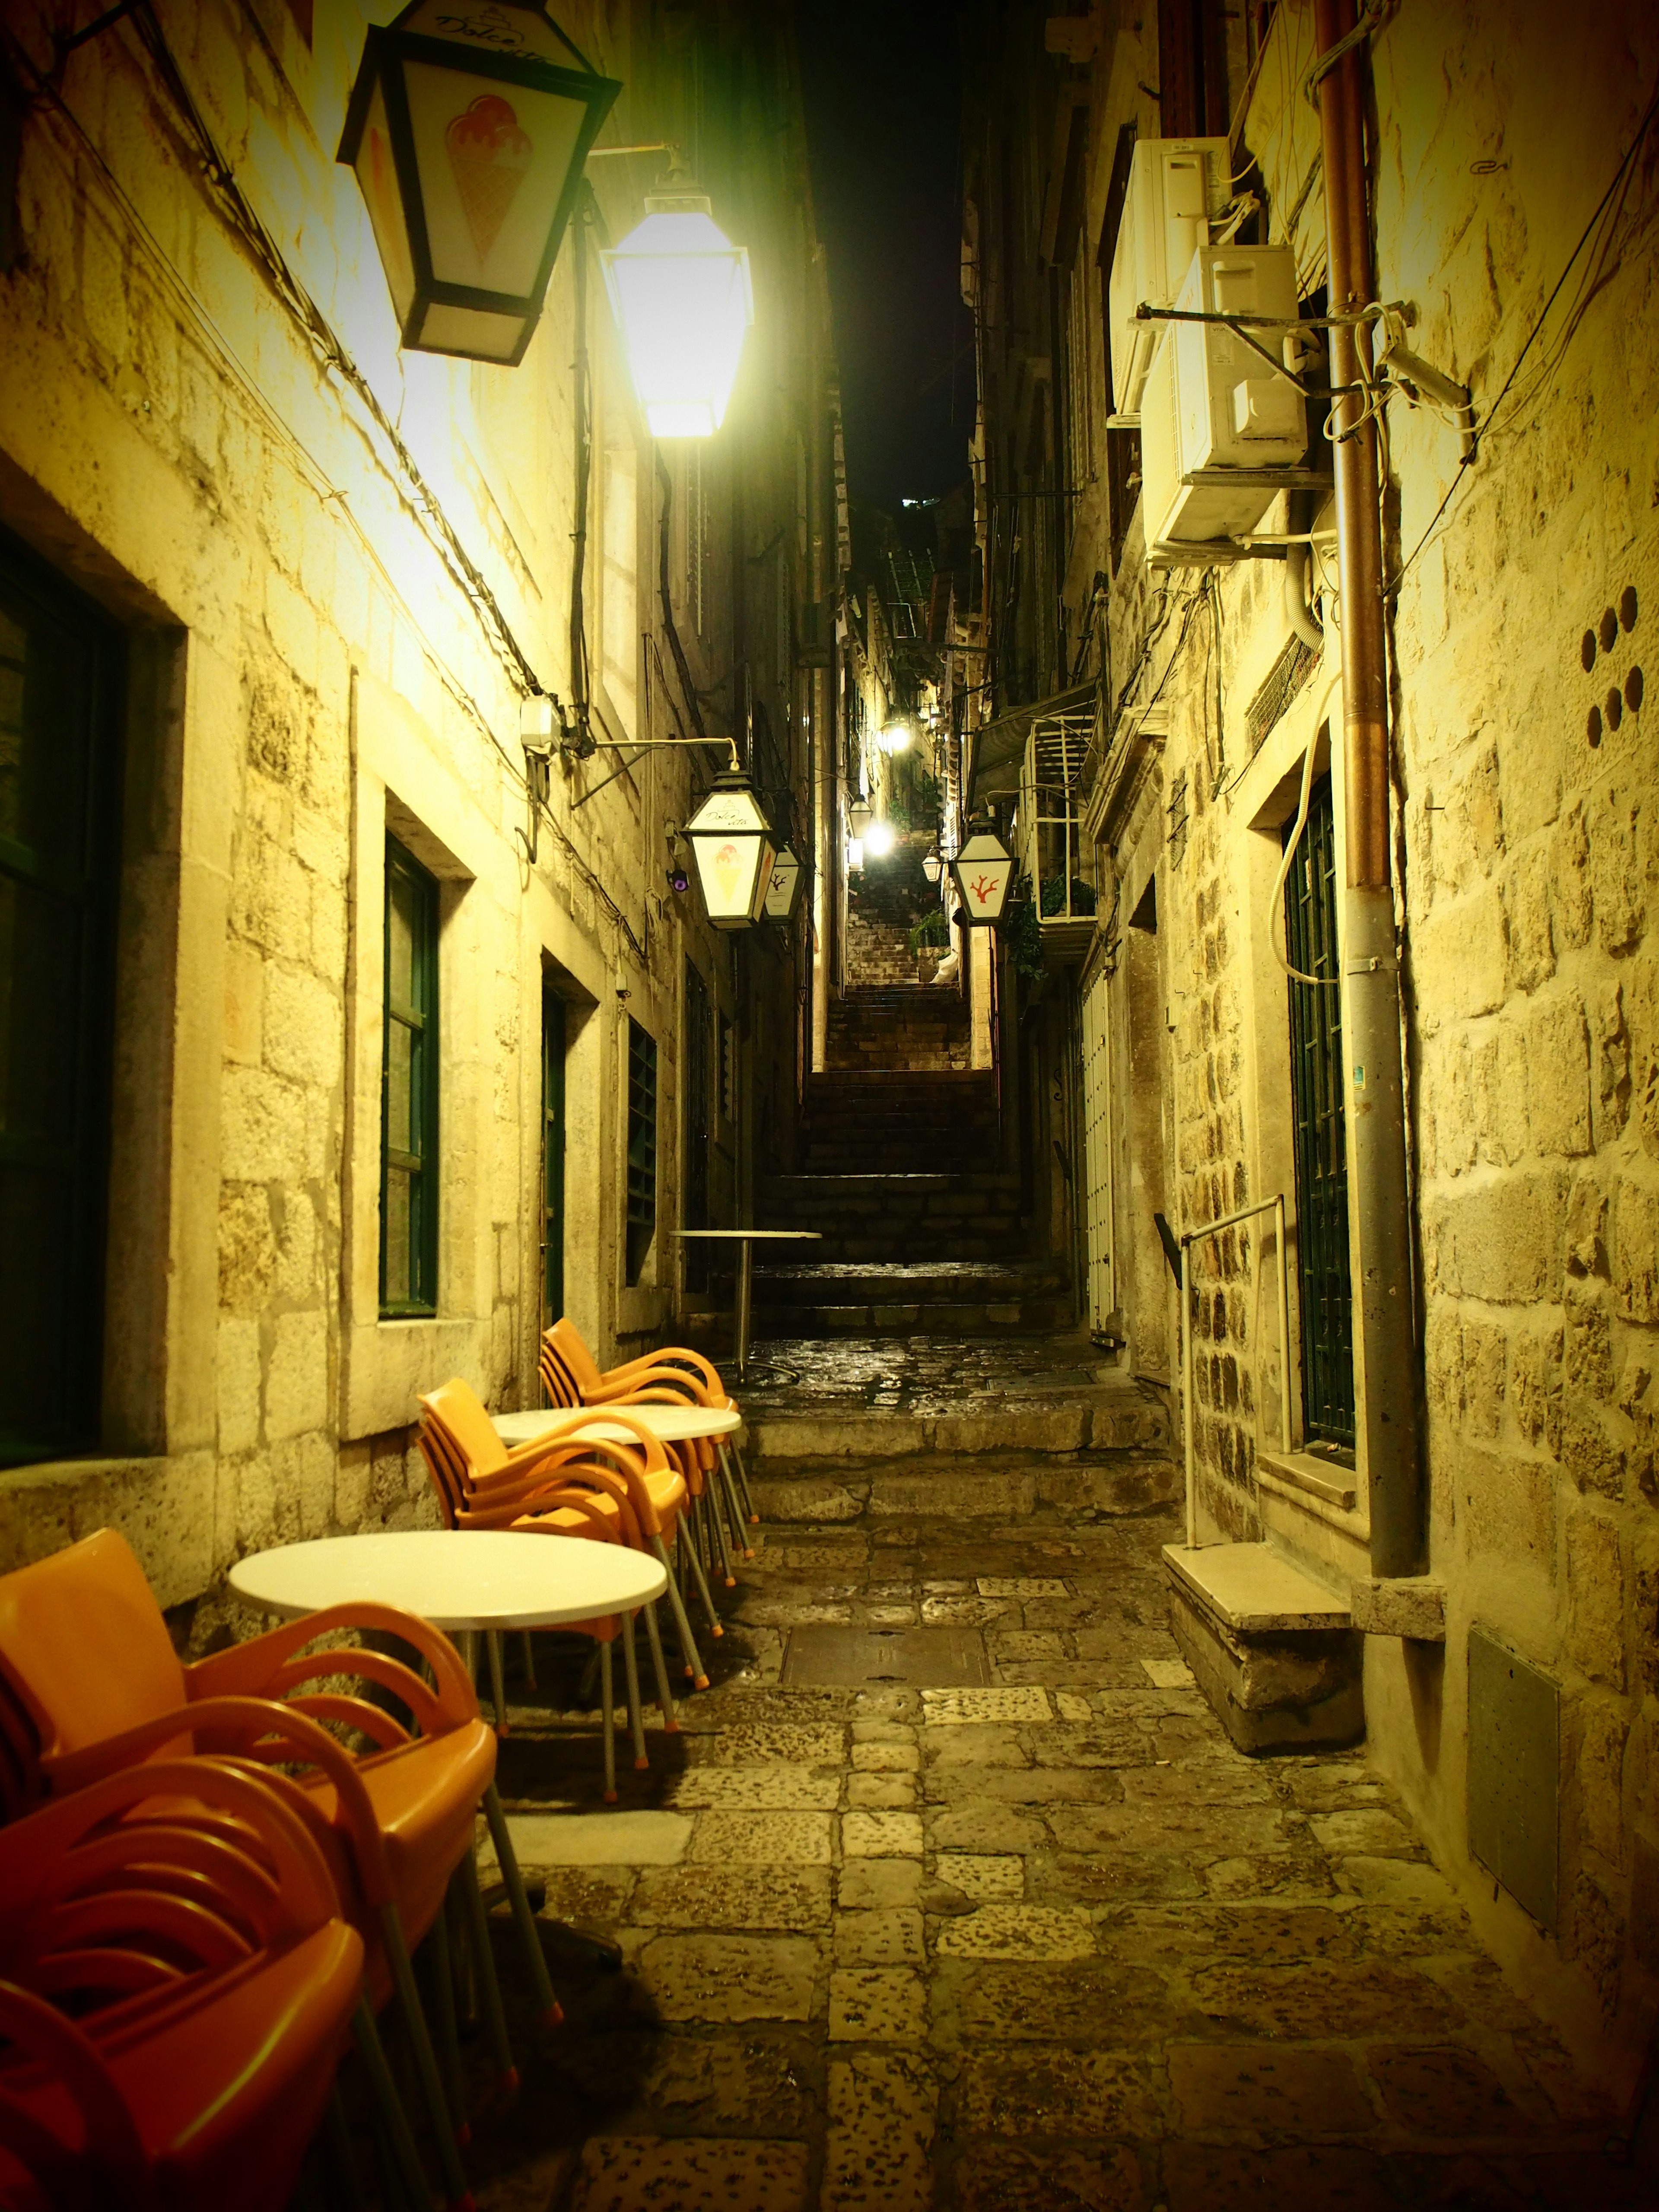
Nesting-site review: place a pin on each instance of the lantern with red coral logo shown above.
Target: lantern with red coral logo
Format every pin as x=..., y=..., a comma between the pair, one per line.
x=468, y=127
x=982, y=873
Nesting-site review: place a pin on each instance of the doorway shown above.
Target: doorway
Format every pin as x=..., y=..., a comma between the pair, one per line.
x=699, y=1095
x=553, y=1145
x=60, y=676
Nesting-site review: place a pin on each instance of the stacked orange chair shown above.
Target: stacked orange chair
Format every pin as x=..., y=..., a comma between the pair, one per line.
x=85, y=1653
x=672, y=1375
x=569, y=1482
x=176, y=1988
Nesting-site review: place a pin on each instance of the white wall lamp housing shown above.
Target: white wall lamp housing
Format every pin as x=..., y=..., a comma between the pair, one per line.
x=732, y=844
x=467, y=128
x=982, y=872
x=681, y=294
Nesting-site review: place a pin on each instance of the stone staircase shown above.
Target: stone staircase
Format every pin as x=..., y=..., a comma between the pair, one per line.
x=960, y=1297
x=905, y=1122
x=907, y=1026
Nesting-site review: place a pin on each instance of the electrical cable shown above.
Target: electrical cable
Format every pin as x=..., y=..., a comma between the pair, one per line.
x=1466, y=465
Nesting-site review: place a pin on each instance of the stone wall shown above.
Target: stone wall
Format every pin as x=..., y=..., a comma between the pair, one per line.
x=1526, y=865
x=338, y=574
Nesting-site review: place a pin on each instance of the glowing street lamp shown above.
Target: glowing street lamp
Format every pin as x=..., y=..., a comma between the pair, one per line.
x=879, y=840
x=783, y=892
x=732, y=841
x=897, y=737
x=931, y=866
x=681, y=297
x=468, y=126
x=982, y=872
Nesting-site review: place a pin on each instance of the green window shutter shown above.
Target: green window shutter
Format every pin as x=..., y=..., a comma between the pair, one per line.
x=1319, y=1122
x=408, y=1090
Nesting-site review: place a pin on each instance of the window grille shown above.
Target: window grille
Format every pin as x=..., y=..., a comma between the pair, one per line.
x=1057, y=857
x=408, y=1090
x=1320, y=1134
x=642, y=1149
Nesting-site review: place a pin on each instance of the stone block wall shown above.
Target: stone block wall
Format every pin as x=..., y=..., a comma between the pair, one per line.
x=288, y=545
x=1524, y=628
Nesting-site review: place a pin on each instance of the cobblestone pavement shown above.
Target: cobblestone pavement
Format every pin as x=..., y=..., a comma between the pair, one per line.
x=807, y=1376
x=1048, y=1943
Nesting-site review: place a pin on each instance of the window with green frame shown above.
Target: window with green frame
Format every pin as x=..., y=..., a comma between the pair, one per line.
x=408, y=1090
x=642, y=1148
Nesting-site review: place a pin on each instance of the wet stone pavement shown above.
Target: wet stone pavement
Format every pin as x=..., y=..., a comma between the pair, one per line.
x=1049, y=1943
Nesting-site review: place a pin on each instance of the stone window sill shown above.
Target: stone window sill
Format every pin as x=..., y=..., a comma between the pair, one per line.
x=1319, y=1486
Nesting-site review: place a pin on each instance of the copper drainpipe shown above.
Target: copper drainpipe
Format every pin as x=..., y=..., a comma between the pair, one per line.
x=1387, y=1398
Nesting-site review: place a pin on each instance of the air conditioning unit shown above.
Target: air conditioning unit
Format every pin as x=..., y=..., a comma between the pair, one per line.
x=1177, y=188
x=1216, y=422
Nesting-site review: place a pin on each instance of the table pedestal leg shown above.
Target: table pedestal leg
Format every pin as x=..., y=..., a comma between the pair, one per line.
x=745, y=1289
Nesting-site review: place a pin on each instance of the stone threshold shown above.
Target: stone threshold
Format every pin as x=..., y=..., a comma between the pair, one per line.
x=1012, y=1489
x=1108, y=1420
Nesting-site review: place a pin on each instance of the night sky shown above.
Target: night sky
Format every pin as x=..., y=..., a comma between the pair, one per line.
x=883, y=112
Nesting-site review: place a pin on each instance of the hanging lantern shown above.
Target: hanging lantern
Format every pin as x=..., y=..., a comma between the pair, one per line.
x=468, y=127
x=784, y=890
x=732, y=839
x=982, y=871
x=931, y=866
x=681, y=294
x=859, y=816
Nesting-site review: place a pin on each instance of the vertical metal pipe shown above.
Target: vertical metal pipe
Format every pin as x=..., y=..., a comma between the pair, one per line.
x=1284, y=1328
x=1186, y=1397
x=1387, y=1407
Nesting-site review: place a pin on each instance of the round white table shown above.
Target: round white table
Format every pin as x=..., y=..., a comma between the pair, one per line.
x=748, y=1238
x=670, y=1425
x=456, y=1578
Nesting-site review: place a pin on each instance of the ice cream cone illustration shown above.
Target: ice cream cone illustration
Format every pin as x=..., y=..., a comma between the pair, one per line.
x=489, y=155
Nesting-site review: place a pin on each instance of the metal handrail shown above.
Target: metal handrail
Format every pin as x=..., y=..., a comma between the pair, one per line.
x=1275, y=1205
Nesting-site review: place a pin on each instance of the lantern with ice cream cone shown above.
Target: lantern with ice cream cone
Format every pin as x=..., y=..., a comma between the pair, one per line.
x=468, y=127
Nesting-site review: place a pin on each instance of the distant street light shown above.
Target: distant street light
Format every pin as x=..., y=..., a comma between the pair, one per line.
x=681, y=294
x=732, y=840
x=467, y=127
x=982, y=872
x=879, y=840
x=897, y=737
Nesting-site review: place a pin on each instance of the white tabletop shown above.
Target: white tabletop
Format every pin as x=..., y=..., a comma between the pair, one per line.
x=455, y=1577
x=670, y=1425
x=749, y=1236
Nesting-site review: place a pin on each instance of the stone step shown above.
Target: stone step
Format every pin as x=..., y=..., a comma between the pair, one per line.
x=1107, y=1418
x=930, y=1280
x=923, y=1319
x=995, y=1487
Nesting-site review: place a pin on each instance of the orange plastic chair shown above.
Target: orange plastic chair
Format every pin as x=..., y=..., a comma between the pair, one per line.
x=176, y=1988
x=571, y=1375
x=484, y=1485
x=86, y=1651
x=565, y=1506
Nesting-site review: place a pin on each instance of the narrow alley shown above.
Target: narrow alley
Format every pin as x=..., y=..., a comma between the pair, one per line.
x=954, y=1892
x=829, y=1106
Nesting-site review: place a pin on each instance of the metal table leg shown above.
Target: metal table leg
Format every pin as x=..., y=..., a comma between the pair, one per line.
x=745, y=1286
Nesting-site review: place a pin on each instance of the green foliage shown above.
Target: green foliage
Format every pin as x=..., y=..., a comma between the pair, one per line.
x=1053, y=894
x=1023, y=932
x=932, y=929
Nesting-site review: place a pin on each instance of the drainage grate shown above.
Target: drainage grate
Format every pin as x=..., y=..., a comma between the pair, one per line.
x=823, y=1658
